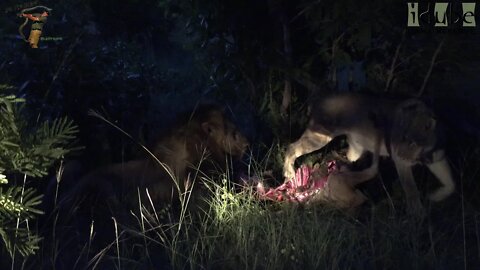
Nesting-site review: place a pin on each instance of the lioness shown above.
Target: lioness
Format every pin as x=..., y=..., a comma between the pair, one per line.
x=207, y=135
x=408, y=134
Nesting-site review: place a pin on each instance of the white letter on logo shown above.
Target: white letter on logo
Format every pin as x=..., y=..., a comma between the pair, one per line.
x=468, y=12
x=412, y=15
x=441, y=12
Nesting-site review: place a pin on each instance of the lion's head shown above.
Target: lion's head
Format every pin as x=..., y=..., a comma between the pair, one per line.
x=221, y=135
x=204, y=130
x=414, y=130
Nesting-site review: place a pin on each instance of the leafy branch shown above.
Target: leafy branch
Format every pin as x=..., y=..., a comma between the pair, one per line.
x=30, y=151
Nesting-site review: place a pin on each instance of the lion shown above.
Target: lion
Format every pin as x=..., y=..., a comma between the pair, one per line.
x=103, y=203
x=206, y=136
x=408, y=130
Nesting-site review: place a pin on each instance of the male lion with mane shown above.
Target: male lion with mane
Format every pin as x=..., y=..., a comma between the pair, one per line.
x=206, y=136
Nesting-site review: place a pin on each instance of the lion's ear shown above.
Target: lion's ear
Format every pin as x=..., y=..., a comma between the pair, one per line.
x=208, y=128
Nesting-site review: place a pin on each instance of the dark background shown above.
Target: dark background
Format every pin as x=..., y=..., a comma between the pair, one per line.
x=141, y=62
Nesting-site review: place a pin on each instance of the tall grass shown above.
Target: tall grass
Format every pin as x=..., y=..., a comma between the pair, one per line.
x=235, y=230
x=239, y=232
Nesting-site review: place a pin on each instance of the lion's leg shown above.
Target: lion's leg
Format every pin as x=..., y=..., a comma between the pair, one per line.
x=442, y=171
x=359, y=199
x=354, y=152
x=409, y=186
x=354, y=178
x=309, y=142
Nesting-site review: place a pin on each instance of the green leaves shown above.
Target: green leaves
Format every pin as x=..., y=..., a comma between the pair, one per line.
x=17, y=207
x=19, y=239
x=30, y=151
x=3, y=178
x=15, y=203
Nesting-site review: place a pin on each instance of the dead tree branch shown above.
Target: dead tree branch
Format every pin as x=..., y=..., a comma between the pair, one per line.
x=394, y=61
x=429, y=72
